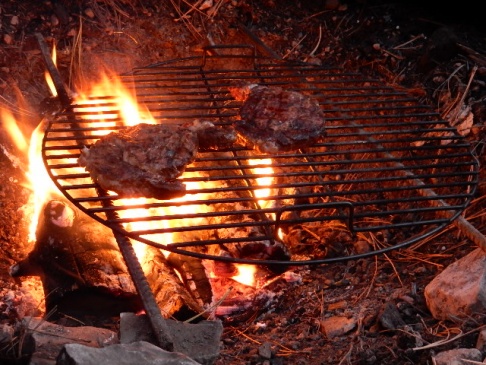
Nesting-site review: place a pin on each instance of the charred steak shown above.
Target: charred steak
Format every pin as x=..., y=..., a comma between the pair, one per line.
x=276, y=120
x=142, y=161
x=145, y=160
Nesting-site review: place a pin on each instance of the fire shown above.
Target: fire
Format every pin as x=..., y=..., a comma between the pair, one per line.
x=39, y=181
x=246, y=274
x=264, y=181
x=49, y=81
x=126, y=106
x=14, y=131
x=107, y=102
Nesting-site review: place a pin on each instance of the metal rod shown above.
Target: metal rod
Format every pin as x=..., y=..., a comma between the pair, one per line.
x=470, y=232
x=157, y=321
x=259, y=43
x=159, y=325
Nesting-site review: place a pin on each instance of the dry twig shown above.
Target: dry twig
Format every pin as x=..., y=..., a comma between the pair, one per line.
x=318, y=42
x=468, y=86
x=401, y=46
x=448, y=340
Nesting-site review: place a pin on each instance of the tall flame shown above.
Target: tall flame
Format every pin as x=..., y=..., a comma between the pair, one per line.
x=39, y=181
x=264, y=181
x=48, y=78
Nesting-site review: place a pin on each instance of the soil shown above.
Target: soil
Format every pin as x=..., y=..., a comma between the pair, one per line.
x=437, y=53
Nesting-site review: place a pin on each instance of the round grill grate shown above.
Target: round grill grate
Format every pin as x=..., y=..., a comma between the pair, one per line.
x=389, y=172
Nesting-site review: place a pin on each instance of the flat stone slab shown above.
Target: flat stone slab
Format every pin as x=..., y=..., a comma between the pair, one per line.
x=200, y=341
x=140, y=353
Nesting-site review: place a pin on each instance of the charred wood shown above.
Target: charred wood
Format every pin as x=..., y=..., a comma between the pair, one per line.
x=79, y=263
x=194, y=276
x=173, y=299
x=76, y=257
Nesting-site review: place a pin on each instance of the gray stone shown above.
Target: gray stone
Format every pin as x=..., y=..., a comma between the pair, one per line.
x=460, y=289
x=390, y=317
x=6, y=333
x=265, y=350
x=457, y=357
x=140, y=353
x=200, y=341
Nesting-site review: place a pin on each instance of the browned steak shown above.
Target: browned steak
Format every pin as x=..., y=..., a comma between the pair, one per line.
x=142, y=161
x=145, y=160
x=276, y=120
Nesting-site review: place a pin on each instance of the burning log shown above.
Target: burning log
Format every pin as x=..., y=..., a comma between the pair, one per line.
x=194, y=276
x=79, y=263
x=172, y=297
x=71, y=256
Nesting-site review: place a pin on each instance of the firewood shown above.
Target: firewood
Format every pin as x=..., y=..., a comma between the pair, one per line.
x=77, y=258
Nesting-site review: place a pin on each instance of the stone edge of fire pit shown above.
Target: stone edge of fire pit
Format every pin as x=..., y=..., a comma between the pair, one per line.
x=199, y=341
x=50, y=343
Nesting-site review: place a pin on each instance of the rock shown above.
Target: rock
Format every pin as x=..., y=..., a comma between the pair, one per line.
x=193, y=343
x=265, y=350
x=460, y=289
x=14, y=20
x=337, y=326
x=50, y=338
x=441, y=46
x=140, y=353
x=457, y=357
x=200, y=341
x=89, y=13
x=390, y=317
x=7, y=39
x=6, y=333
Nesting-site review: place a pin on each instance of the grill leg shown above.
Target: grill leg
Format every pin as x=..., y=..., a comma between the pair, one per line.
x=157, y=321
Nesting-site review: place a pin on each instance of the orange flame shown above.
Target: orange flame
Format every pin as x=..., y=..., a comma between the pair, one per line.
x=246, y=274
x=47, y=76
x=264, y=181
x=123, y=105
x=38, y=180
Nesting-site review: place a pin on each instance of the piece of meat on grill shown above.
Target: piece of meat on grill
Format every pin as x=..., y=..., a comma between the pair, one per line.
x=145, y=160
x=276, y=120
x=142, y=161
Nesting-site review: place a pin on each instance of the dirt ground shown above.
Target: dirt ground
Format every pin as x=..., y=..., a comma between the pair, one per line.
x=438, y=54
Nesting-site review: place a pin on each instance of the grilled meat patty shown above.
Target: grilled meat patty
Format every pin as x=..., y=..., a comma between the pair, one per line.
x=276, y=120
x=142, y=161
x=145, y=160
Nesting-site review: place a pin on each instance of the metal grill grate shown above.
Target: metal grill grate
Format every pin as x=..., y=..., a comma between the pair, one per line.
x=389, y=172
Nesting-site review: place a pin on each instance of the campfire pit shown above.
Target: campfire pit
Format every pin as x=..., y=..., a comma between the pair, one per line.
x=382, y=42
x=388, y=172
